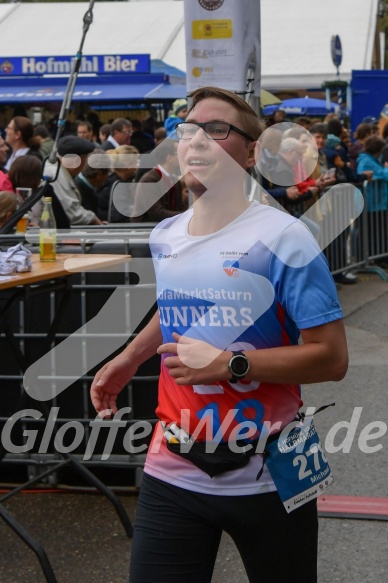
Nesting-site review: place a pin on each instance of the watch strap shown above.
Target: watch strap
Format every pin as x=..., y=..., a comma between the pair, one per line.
x=235, y=379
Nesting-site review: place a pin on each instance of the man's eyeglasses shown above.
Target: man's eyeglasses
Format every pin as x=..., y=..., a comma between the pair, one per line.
x=127, y=132
x=215, y=130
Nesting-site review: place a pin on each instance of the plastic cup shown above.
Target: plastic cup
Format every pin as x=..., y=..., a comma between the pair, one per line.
x=21, y=225
x=23, y=193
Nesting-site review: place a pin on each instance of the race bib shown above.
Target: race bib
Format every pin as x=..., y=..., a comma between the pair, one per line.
x=298, y=465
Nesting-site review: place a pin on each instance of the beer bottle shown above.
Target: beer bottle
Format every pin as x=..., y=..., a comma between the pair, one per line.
x=47, y=233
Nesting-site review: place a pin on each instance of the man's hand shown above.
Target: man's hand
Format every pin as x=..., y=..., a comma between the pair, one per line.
x=292, y=192
x=326, y=180
x=314, y=190
x=116, y=373
x=108, y=383
x=368, y=174
x=194, y=362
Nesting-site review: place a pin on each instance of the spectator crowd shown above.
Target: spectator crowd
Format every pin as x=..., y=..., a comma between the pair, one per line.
x=303, y=159
x=98, y=176
x=300, y=161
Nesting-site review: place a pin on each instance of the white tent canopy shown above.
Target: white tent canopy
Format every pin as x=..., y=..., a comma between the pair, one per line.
x=295, y=35
x=296, y=39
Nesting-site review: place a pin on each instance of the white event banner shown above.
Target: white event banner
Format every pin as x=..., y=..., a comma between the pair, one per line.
x=223, y=44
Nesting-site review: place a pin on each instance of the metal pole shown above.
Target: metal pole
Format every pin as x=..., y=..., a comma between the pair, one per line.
x=53, y=158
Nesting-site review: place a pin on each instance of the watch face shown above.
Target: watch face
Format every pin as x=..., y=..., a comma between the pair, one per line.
x=211, y=4
x=239, y=365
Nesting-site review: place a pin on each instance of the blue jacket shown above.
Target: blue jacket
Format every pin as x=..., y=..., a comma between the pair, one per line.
x=170, y=123
x=377, y=190
x=331, y=153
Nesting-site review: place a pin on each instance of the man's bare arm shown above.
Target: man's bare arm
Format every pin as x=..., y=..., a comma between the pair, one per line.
x=323, y=356
x=116, y=373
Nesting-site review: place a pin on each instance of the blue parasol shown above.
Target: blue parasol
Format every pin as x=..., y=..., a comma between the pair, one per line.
x=302, y=106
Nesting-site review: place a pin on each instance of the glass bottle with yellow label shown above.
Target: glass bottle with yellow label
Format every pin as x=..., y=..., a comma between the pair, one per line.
x=48, y=232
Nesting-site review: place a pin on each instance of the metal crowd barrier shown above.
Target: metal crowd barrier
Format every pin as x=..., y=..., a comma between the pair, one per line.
x=31, y=319
x=359, y=247
x=364, y=243
x=350, y=241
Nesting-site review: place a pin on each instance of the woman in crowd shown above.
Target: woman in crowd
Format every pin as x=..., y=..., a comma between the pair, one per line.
x=20, y=136
x=376, y=193
x=5, y=183
x=26, y=171
x=363, y=131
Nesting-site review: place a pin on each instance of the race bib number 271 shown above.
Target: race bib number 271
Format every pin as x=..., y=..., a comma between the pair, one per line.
x=298, y=465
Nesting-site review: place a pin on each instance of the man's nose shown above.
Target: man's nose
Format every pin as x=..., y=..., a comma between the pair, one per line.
x=200, y=139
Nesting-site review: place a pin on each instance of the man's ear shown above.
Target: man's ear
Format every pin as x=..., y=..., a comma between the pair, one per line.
x=254, y=153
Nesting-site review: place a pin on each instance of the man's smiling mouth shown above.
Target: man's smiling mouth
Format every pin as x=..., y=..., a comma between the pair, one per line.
x=197, y=162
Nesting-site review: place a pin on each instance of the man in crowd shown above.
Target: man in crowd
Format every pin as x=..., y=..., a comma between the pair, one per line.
x=179, y=113
x=120, y=134
x=278, y=172
x=159, y=135
x=85, y=131
x=91, y=179
x=46, y=141
x=159, y=192
x=142, y=141
x=73, y=152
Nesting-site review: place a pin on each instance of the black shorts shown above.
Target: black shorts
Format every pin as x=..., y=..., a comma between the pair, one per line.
x=177, y=535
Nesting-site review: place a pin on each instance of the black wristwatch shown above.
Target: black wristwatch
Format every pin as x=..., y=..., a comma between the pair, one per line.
x=238, y=366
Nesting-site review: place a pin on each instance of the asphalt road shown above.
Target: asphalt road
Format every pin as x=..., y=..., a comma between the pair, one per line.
x=86, y=542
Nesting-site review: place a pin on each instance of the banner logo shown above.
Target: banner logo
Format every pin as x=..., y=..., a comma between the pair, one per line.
x=89, y=64
x=6, y=67
x=212, y=29
x=211, y=4
x=231, y=268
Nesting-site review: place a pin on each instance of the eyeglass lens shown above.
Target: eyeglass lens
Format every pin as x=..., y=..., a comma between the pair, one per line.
x=215, y=130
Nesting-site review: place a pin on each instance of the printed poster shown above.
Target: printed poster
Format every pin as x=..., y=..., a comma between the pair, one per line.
x=223, y=44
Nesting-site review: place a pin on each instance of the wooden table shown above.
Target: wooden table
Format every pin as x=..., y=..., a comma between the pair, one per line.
x=65, y=265
x=45, y=273
x=44, y=277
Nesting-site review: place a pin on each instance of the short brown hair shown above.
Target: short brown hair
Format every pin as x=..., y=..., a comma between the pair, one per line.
x=87, y=124
x=250, y=121
x=271, y=139
x=8, y=203
x=160, y=134
x=119, y=124
x=363, y=130
x=318, y=128
x=374, y=145
x=24, y=126
x=105, y=130
x=304, y=121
